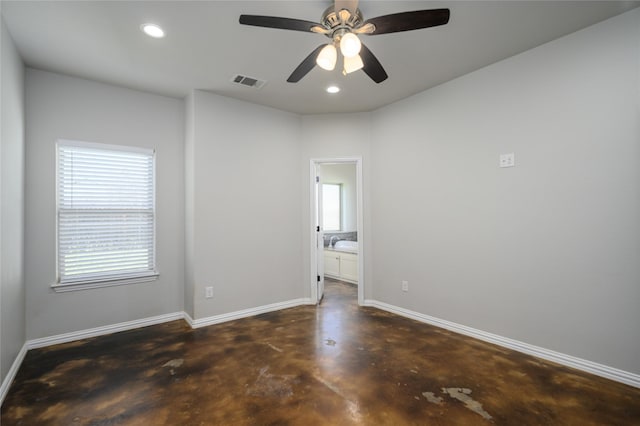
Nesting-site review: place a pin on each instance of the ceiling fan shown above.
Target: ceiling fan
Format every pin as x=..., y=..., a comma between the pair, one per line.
x=342, y=23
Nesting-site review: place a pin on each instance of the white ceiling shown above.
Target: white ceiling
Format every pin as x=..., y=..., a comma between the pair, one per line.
x=205, y=45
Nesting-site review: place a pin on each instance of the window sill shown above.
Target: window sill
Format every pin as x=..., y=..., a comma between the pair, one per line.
x=87, y=285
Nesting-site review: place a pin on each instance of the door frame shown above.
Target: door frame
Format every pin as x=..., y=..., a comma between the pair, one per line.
x=359, y=217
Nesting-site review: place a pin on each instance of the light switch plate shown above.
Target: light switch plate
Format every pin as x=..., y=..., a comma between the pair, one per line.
x=507, y=160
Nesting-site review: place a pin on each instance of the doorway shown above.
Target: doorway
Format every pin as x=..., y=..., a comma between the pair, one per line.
x=337, y=238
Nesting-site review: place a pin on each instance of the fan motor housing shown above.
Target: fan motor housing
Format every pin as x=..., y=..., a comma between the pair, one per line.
x=332, y=21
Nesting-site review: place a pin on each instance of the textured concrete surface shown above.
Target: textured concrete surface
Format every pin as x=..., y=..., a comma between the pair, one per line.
x=337, y=364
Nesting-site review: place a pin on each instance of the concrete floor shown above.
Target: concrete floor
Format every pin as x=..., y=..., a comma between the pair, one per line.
x=337, y=364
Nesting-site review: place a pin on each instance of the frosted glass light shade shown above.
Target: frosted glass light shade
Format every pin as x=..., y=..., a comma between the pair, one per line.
x=327, y=57
x=350, y=45
x=353, y=63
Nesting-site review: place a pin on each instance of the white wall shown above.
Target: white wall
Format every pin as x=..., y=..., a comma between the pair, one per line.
x=345, y=175
x=12, y=305
x=66, y=107
x=246, y=205
x=316, y=143
x=547, y=252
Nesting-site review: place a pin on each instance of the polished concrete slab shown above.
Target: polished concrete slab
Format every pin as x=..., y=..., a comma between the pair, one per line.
x=338, y=364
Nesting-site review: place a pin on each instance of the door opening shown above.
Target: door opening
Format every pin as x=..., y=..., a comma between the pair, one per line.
x=337, y=240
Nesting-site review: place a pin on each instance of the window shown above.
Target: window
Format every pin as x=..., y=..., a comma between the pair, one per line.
x=331, y=206
x=106, y=215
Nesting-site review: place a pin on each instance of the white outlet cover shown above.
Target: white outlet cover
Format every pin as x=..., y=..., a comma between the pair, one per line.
x=507, y=160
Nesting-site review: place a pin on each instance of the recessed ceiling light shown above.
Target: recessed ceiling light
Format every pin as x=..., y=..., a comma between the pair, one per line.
x=152, y=30
x=333, y=89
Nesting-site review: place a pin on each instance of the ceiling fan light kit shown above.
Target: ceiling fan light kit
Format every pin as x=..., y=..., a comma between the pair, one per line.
x=342, y=23
x=351, y=64
x=327, y=57
x=350, y=45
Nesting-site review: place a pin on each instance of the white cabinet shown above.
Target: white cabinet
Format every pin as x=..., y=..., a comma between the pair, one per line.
x=332, y=263
x=349, y=267
x=341, y=265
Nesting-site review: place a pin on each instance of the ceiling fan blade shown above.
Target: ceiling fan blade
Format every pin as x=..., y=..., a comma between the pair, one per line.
x=350, y=5
x=372, y=67
x=305, y=66
x=408, y=21
x=277, y=22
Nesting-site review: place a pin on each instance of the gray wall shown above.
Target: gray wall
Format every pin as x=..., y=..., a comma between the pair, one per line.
x=65, y=107
x=354, y=141
x=245, y=216
x=189, y=159
x=12, y=305
x=547, y=252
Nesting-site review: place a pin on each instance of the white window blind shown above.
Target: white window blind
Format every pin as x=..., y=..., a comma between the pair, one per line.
x=106, y=213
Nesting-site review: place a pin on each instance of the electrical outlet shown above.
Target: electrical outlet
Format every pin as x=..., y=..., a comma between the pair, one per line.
x=208, y=292
x=405, y=285
x=507, y=160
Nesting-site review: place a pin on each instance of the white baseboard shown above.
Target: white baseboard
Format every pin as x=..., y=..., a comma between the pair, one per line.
x=100, y=331
x=78, y=335
x=217, y=319
x=11, y=374
x=560, y=358
x=188, y=319
x=557, y=357
x=130, y=325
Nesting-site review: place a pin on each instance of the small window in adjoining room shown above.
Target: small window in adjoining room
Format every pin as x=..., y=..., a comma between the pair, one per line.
x=105, y=215
x=331, y=206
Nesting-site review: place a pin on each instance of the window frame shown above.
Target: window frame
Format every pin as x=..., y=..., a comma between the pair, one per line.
x=108, y=281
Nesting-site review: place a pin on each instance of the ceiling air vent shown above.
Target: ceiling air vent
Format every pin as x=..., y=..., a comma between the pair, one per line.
x=243, y=80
